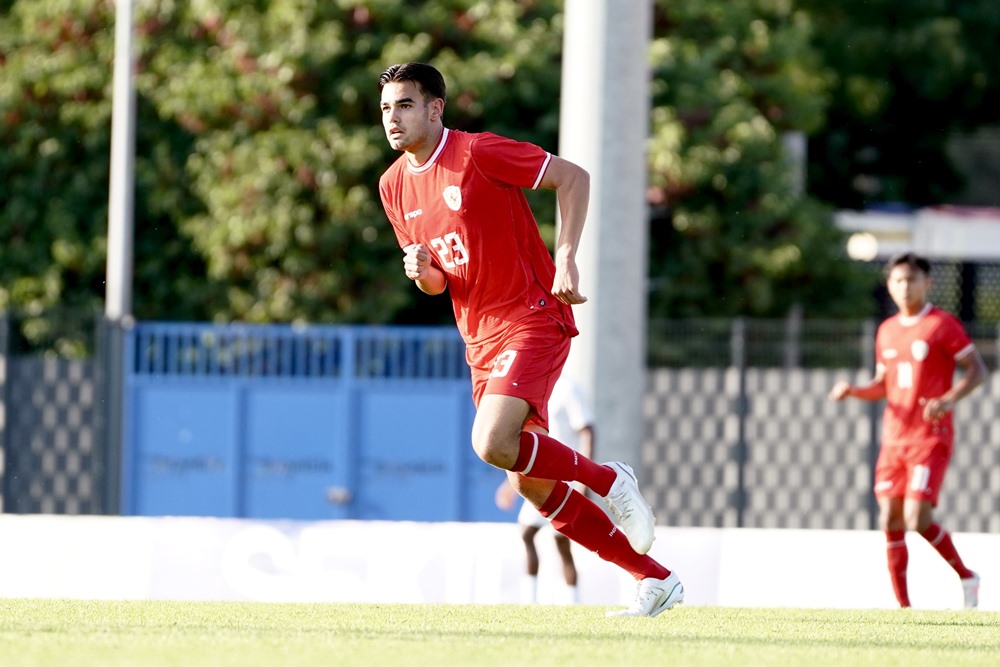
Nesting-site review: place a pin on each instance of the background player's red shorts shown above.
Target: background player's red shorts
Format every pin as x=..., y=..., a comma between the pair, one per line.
x=525, y=362
x=912, y=470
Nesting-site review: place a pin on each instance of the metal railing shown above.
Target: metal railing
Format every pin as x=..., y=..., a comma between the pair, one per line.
x=787, y=343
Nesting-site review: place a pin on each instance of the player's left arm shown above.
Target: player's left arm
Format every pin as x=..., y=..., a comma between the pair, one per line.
x=572, y=185
x=973, y=374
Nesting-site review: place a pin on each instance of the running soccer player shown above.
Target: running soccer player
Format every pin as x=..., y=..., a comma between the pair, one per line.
x=456, y=203
x=916, y=352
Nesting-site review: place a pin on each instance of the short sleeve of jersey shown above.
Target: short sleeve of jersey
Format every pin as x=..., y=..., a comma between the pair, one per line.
x=509, y=162
x=954, y=335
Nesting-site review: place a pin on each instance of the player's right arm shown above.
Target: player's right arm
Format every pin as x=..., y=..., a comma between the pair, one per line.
x=572, y=185
x=418, y=268
x=873, y=391
x=973, y=375
x=416, y=257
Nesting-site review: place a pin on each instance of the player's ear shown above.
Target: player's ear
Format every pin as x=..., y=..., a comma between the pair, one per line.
x=437, y=108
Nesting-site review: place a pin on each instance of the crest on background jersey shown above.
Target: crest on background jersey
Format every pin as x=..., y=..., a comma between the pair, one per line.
x=452, y=197
x=919, y=349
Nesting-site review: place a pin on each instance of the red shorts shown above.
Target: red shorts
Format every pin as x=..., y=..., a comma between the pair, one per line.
x=525, y=362
x=912, y=470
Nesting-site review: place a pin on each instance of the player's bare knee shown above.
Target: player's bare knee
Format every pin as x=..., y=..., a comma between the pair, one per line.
x=494, y=446
x=487, y=450
x=891, y=522
x=917, y=523
x=479, y=445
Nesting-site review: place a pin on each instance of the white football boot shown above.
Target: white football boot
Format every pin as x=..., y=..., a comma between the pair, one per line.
x=632, y=513
x=970, y=587
x=654, y=596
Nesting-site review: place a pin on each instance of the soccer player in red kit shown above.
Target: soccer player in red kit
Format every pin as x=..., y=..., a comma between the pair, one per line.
x=456, y=204
x=916, y=352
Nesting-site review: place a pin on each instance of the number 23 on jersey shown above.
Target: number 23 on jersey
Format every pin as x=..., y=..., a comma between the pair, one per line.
x=450, y=250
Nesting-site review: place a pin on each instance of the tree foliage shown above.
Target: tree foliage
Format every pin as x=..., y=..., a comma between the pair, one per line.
x=733, y=236
x=905, y=78
x=259, y=144
x=55, y=110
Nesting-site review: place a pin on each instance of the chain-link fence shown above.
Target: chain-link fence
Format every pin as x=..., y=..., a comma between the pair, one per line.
x=789, y=343
x=53, y=447
x=740, y=431
x=970, y=290
x=738, y=428
x=765, y=448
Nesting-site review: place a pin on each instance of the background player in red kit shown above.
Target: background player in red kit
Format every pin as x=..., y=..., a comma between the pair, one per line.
x=916, y=353
x=456, y=204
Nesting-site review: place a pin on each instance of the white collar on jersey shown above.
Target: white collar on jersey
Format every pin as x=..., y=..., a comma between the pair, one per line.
x=913, y=319
x=437, y=151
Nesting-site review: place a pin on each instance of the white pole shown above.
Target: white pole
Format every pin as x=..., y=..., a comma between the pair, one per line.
x=603, y=127
x=118, y=290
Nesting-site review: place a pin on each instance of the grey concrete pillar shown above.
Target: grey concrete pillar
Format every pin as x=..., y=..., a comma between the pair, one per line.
x=604, y=114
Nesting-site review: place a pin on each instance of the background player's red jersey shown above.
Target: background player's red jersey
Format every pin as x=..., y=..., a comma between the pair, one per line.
x=918, y=354
x=466, y=204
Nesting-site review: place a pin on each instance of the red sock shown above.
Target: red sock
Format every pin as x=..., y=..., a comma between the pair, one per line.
x=899, y=557
x=940, y=539
x=578, y=518
x=547, y=458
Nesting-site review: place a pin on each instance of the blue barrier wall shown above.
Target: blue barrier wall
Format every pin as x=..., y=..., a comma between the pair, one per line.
x=332, y=422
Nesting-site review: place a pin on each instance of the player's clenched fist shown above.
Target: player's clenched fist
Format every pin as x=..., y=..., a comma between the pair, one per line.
x=418, y=268
x=840, y=391
x=416, y=261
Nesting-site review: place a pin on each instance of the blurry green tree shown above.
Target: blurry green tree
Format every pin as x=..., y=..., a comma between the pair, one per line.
x=905, y=78
x=259, y=147
x=55, y=114
x=731, y=233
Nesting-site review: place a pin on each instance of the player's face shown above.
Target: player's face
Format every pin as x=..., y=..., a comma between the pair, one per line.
x=908, y=288
x=406, y=117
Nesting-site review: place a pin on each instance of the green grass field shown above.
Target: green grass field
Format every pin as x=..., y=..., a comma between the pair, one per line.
x=190, y=634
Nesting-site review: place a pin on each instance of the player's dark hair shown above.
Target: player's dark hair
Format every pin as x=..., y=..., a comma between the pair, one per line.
x=426, y=76
x=911, y=259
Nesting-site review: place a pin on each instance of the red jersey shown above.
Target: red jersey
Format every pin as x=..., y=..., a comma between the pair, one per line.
x=466, y=204
x=918, y=355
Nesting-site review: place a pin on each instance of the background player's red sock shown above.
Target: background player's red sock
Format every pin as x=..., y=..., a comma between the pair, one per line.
x=546, y=458
x=898, y=557
x=940, y=539
x=581, y=520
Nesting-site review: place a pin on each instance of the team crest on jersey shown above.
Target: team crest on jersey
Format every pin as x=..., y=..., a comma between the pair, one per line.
x=919, y=350
x=452, y=197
